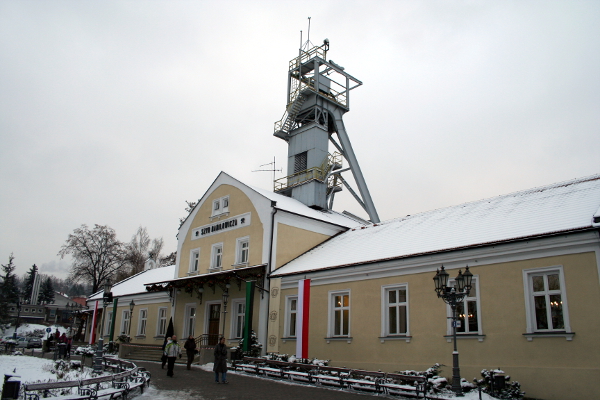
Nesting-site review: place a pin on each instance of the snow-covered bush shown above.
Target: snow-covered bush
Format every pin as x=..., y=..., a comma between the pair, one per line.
x=255, y=346
x=293, y=359
x=511, y=390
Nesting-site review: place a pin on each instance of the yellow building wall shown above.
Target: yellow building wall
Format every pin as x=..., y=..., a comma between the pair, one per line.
x=293, y=241
x=549, y=368
x=239, y=203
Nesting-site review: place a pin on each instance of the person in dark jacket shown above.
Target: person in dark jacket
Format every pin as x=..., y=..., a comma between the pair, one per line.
x=221, y=361
x=190, y=350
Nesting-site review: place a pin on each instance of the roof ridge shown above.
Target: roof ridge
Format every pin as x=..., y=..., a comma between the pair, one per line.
x=500, y=196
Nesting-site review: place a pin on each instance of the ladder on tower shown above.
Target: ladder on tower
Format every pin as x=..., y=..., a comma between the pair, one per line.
x=284, y=126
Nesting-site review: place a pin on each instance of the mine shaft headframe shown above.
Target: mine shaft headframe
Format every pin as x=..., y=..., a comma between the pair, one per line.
x=312, y=72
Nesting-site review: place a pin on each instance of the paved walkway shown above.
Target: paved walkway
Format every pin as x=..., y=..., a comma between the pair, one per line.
x=241, y=386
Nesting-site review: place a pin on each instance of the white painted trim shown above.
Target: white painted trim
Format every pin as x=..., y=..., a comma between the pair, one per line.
x=233, y=304
x=186, y=317
x=238, y=250
x=384, y=309
x=477, y=299
x=139, y=327
x=157, y=332
x=192, y=259
x=529, y=306
x=287, y=316
x=330, y=314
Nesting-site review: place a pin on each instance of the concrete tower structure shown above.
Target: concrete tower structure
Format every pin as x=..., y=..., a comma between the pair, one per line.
x=318, y=95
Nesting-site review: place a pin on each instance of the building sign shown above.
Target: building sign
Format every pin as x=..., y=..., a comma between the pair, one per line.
x=228, y=224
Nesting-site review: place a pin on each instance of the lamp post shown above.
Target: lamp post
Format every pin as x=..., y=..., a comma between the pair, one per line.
x=18, y=316
x=225, y=298
x=131, y=305
x=107, y=298
x=453, y=296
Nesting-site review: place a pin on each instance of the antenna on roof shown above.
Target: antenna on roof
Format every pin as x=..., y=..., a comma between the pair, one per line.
x=307, y=45
x=269, y=170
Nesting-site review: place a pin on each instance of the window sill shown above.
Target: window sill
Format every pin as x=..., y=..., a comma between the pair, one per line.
x=159, y=337
x=218, y=216
x=465, y=336
x=285, y=339
x=399, y=337
x=240, y=265
x=566, y=335
x=192, y=273
x=215, y=269
x=347, y=339
x=140, y=336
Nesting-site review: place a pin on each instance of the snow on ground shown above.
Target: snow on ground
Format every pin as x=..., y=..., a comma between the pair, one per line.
x=33, y=369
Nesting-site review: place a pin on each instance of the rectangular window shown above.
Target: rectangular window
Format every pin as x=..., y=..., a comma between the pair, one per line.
x=162, y=322
x=468, y=312
x=190, y=320
x=194, y=260
x=107, y=323
x=546, y=300
x=239, y=314
x=217, y=256
x=142, y=322
x=220, y=206
x=125, y=321
x=339, y=309
x=395, y=310
x=291, y=314
x=243, y=249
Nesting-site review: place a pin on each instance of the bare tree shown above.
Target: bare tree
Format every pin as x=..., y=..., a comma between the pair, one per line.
x=139, y=250
x=96, y=253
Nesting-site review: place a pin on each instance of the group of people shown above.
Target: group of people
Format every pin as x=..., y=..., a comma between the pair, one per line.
x=172, y=350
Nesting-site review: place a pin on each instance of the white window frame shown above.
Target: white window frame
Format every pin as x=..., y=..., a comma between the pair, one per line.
x=125, y=321
x=220, y=206
x=215, y=263
x=532, y=330
x=332, y=309
x=385, y=323
x=187, y=318
x=239, y=250
x=289, y=316
x=107, y=321
x=194, y=261
x=477, y=299
x=142, y=327
x=159, y=321
x=235, y=318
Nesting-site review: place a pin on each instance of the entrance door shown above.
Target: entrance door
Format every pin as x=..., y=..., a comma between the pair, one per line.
x=213, y=324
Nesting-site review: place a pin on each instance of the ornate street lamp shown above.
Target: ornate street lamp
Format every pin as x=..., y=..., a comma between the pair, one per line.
x=225, y=298
x=107, y=298
x=131, y=305
x=453, y=296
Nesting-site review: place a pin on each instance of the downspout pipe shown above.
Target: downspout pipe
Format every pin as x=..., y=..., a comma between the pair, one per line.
x=267, y=283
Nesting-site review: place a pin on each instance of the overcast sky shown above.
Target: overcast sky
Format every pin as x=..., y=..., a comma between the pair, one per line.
x=116, y=112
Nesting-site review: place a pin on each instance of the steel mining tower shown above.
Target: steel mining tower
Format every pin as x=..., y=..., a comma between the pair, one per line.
x=318, y=96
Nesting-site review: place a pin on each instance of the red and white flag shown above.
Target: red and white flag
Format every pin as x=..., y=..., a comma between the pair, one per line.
x=93, y=332
x=302, y=318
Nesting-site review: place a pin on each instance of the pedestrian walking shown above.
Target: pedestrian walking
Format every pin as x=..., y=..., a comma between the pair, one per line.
x=163, y=358
x=172, y=351
x=221, y=361
x=190, y=350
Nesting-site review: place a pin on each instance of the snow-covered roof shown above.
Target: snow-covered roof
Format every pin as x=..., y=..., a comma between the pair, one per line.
x=135, y=283
x=294, y=206
x=561, y=207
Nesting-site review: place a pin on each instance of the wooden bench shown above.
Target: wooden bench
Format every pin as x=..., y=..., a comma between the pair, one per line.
x=405, y=385
x=332, y=376
x=301, y=372
x=369, y=381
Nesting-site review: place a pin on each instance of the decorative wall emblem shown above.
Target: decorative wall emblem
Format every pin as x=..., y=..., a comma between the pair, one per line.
x=272, y=340
x=274, y=292
x=273, y=316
